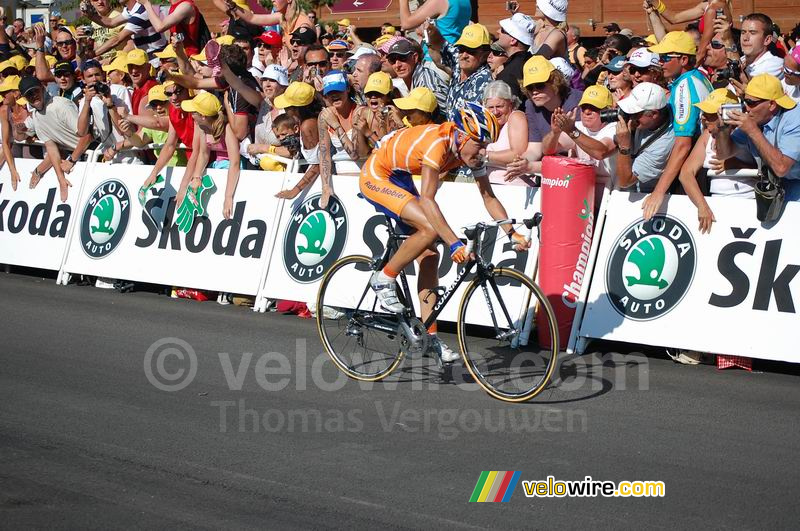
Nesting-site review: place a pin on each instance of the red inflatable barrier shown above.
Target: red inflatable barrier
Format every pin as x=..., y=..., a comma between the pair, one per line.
x=568, y=187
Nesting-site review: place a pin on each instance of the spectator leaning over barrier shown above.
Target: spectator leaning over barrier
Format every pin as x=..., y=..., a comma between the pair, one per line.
x=337, y=136
x=215, y=145
x=54, y=120
x=592, y=139
x=769, y=131
x=688, y=86
x=379, y=117
x=94, y=108
x=755, y=39
x=9, y=92
x=700, y=172
x=300, y=103
x=274, y=81
x=644, y=137
x=791, y=74
x=515, y=37
x=406, y=61
x=500, y=100
x=139, y=70
x=546, y=90
x=181, y=129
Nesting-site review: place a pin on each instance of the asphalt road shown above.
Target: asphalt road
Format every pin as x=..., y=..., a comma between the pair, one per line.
x=87, y=441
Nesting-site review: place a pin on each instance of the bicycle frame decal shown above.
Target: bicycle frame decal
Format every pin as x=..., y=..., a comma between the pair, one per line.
x=448, y=294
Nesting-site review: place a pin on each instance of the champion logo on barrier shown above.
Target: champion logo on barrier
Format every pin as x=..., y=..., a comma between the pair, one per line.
x=557, y=183
x=105, y=219
x=650, y=268
x=314, y=239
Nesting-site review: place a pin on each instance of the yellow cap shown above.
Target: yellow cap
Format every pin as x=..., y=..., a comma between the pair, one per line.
x=383, y=39
x=156, y=93
x=7, y=64
x=420, y=98
x=204, y=103
x=9, y=83
x=22, y=102
x=243, y=4
x=167, y=53
x=51, y=61
x=676, y=42
x=16, y=61
x=537, y=69
x=768, y=87
x=267, y=163
x=597, y=96
x=297, y=94
x=378, y=82
x=389, y=30
x=136, y=57
x=651, y=39
x=120, y=63
x=344, y=22
x=474, y=36
x=716, y=99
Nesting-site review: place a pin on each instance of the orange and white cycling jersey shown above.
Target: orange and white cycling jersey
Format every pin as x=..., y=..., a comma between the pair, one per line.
x=386, y=180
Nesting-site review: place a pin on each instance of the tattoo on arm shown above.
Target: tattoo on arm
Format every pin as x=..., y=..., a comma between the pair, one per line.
x=324, y=153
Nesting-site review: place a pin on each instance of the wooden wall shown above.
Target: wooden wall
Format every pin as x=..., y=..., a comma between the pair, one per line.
x=626, y=13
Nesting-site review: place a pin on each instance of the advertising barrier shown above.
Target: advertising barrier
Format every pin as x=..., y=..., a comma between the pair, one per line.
x=116, y=238
x=34, y=224
x=310, y=240
x=662, y=283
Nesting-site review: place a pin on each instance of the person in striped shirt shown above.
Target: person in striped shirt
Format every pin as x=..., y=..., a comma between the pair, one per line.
x=137, y=27
x=430, y=151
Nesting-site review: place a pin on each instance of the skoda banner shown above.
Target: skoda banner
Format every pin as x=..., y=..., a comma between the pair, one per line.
x=34, y=224
x=115, y=237
x=660, y=282
x=311, y=239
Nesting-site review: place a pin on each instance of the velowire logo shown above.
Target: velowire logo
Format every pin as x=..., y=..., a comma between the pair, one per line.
x=105, y=218
x=650, y=268
x=314, y=239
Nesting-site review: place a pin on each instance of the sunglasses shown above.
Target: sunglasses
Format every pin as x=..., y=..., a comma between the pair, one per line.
x=318, y=63
x=173, y=93
x=62, y=74
x=752, y=103
x=790, y=72
x=338, y=54
x=592, y=108
x=537, y=86
x=497, y=53
x=667, y=57
x=392, y=59
x=470, y=51
x=642, y=70
x=65, y=43
x=297, y=42
x=717, y=45
x=369, y=95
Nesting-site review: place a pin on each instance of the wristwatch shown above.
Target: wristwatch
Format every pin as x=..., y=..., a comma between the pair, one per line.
x=69, y=158
x=624, y=151
x=574, y=134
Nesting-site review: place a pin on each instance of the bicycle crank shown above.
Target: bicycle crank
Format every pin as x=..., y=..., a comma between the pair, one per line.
x=413, y=335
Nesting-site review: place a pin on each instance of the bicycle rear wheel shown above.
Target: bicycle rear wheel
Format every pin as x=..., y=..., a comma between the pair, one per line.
x=497, y=325
x=361, y=338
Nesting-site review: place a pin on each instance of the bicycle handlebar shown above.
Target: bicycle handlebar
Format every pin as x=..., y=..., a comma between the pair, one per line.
x=473, y=231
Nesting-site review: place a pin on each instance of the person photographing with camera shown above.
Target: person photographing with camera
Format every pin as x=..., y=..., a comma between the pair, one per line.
x=645, y=138
x=769, y=129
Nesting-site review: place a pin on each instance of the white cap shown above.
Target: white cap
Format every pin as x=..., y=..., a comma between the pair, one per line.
x=361, y=51
x=276, y=73
x=564, y=67
x=642, y=57
x=553, y=9
x=644, y=97
x=520, y=26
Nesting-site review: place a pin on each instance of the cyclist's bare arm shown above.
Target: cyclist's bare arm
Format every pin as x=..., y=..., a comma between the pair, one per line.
x=430, y=184
x=493, y=205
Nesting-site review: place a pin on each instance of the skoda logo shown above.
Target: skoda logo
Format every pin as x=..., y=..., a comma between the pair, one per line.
x=314, y=239
x=650, y=268
x=105, y=219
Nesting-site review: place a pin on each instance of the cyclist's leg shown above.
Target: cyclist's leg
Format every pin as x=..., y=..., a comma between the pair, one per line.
x=427, y=281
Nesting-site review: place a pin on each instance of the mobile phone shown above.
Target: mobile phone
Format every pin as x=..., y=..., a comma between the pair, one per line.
x=179, y=37
x=720, y=13
x=726, y=109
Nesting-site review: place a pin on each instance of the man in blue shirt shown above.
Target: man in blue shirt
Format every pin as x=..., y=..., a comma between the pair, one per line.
x=769, y=130
x=688, y=86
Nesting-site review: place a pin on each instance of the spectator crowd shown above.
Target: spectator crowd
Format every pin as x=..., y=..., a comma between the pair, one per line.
x=675, y=111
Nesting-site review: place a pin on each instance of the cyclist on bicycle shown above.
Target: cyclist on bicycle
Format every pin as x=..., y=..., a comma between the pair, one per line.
x=430, y=151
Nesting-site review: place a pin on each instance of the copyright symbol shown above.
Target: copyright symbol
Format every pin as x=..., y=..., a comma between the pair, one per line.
x=157, y=373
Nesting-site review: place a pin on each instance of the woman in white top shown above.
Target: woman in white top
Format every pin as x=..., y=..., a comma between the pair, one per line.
x=274, y=81
x=513, y=140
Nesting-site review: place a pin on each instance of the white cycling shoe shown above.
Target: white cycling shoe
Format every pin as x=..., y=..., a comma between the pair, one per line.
x=386, y=290
x=445, y=353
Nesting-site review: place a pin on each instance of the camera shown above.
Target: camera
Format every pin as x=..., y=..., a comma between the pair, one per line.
x=720, y=13
x=732, y=71
x=725, y=110
x=178, y=37
x=102, y=88
x=609, y=116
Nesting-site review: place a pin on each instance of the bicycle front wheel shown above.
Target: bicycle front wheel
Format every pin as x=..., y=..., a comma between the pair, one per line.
x=499, y=336
x=358, y=334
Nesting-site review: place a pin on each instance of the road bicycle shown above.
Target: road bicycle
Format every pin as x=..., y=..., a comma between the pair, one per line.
x=499, y=312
